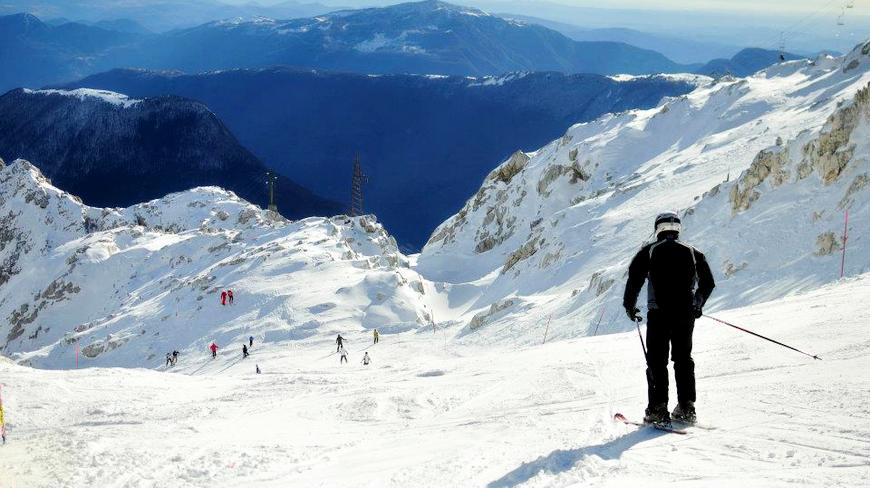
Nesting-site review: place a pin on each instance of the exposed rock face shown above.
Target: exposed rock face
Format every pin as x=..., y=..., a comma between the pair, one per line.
x=482, y=318
x=511, y=168
x=767, y=163
x=827, y=244
x=526, y=251
x=825, y=155
x=830, y=154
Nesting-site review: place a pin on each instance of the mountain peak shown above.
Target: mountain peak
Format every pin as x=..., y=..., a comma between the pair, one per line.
x=117, y=99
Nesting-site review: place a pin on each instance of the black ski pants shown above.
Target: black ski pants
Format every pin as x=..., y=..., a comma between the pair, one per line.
x=668, y=329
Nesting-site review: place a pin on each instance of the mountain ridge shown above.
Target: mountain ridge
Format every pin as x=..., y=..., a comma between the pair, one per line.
x=438, y=142
x=114, y=150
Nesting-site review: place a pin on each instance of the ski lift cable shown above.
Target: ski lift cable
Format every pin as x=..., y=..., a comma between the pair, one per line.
x=788, y=32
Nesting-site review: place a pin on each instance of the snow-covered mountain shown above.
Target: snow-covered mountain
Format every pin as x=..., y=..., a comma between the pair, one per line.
x=113, y=150
x=130, y=284
x=764, y=168
x=761, y=168
x=428, y=36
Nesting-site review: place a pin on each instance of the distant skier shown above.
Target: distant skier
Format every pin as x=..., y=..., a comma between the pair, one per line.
x=257, y=366
x=340, y=341
x=168, y=359
x=343, y=353
x=214, y=348
x=230, y=296
x=244, y=351
x=223, y=298
x=251, y=341
x=2, y=422
x=679, y=282
x=174, y=357
x=366, y=359
x=375, y=334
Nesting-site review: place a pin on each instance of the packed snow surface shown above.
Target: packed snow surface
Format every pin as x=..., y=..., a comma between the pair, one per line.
x=428, y=412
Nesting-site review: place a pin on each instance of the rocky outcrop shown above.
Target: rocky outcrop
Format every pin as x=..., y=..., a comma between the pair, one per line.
x=506, y=172
x=482, y=318
x=526, y=251
x=832, y=151
x=827, y=243
x=769, y=163
x=827, y=155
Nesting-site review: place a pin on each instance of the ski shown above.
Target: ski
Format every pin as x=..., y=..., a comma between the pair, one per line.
x=664, y=428
x=692, y=424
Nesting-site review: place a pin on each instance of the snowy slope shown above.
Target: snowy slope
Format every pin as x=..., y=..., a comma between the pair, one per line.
x=131, y=284
x=429, y=415
x=550, y=233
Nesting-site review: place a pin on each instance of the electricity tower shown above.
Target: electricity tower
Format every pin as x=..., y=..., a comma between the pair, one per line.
x=356, y=190
x=271, y=179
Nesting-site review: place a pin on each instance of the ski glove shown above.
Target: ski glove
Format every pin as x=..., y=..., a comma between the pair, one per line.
x=633, y=313
x=698, y=307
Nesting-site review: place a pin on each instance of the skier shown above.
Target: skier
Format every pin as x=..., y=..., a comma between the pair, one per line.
x=2, y=422
x=257, y=366
x=251, y=341
x=174, y=357
x=230, y=296
x=679, y=282
x=244, y=351
x=340, y=341
x=168, y=359
x=375, y=333
x=343, y=355
x=214, y=348
x=223, y=298
x=366, y=360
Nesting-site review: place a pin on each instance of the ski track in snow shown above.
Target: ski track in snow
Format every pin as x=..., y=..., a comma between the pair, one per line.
x=426, y=414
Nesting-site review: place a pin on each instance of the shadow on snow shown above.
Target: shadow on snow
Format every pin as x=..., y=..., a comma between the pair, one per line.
x=562, y=460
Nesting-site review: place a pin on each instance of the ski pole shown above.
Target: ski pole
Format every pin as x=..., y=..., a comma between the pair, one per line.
x=761, y=336
x=640, y=336
x=650, y=381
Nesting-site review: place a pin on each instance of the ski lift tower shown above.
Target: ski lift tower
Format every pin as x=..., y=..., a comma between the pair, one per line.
x=356, y=191
x=271, y=179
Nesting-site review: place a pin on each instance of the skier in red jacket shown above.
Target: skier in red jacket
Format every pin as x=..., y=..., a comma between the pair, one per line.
x=223, y=298
x=214, y=348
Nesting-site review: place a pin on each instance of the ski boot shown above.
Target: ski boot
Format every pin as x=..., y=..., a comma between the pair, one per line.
x=658, y=415
x=685, y=413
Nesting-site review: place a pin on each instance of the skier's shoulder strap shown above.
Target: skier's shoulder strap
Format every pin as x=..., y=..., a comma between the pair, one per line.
x=653, y=245
x=692, y=252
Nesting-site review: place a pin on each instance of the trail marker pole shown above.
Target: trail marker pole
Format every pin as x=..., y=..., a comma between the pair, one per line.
x=603, y=309
x=845, y=239
x=547, y=330
x=77, y=354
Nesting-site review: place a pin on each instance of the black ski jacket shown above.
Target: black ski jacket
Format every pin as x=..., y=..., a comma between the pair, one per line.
x=679, y=276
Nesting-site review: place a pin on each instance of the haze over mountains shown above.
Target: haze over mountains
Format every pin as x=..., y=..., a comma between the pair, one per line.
x=159, y=15
x=422, y=37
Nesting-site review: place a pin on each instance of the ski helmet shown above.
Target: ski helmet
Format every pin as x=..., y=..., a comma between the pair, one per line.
x=667, y=221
